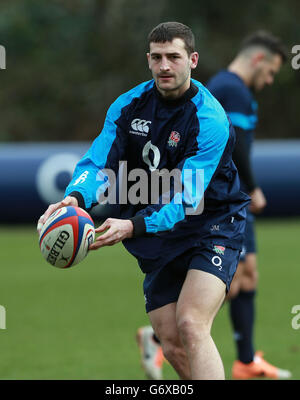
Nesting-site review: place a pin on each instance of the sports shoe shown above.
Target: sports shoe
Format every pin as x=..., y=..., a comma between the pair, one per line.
x=151, y=353
x=258, y=368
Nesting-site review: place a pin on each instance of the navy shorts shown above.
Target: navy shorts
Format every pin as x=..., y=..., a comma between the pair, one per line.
x=249, y=245
x=163, y=285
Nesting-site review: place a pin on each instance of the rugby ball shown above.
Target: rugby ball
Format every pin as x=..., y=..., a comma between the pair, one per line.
x=66, y=236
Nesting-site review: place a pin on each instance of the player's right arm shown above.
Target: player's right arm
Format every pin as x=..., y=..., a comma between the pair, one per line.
x=88, y=182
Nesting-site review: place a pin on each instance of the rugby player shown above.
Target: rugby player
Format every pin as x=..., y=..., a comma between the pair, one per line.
x=189, y=254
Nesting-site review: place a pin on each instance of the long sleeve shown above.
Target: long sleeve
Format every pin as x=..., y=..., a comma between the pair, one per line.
x=241, y=158
x=90, y=179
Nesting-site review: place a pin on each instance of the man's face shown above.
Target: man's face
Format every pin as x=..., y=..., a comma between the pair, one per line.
x=265, y=70
x=171, y=67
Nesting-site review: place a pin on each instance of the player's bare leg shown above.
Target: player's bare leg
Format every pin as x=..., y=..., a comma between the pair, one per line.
x=163, y=321
x=245, y=278
x=236, y=283
x=200, y=299
x=249, y=278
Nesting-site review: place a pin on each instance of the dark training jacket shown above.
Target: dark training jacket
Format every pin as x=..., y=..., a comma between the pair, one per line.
x=238, y=102
x=191, y=135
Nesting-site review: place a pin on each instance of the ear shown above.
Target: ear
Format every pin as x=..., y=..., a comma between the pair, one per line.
x=148, y=58
x=258, y=57
x=194, y=57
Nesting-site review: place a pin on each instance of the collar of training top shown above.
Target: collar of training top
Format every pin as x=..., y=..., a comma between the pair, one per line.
x=188, y=94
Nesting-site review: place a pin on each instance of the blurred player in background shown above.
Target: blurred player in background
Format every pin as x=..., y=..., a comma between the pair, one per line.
x=172, y=123
x=255, y=66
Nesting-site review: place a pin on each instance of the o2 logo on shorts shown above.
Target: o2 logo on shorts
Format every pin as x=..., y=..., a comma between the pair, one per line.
x=217, y=261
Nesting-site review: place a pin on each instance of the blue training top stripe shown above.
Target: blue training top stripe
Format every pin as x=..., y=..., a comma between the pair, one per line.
x=246, y=122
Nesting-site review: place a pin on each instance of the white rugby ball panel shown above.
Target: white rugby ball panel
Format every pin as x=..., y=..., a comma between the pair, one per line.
x=66, y=236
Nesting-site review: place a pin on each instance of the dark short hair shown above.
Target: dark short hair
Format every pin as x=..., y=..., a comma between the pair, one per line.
x=167, y=31
x=268, y=41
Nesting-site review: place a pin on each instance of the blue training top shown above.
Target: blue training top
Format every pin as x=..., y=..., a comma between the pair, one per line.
x=238, y=102
x=150, y=133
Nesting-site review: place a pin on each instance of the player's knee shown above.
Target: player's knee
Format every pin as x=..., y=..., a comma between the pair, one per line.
x=193, y=329
x=233, y=291
x=172, y=350
x=250, y=271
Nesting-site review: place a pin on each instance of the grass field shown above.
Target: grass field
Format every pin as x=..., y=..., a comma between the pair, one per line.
x=80, y=323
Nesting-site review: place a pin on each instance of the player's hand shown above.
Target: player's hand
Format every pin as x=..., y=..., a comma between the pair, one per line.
x=116, y=231
x=68, y=201
x=258, y=201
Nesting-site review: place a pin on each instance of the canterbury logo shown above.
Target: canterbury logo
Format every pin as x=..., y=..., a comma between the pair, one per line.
x=82, y=178
x=140, y=125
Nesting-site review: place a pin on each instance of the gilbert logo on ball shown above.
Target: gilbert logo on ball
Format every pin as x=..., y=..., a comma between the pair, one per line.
x=66, y=236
